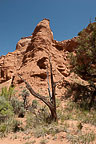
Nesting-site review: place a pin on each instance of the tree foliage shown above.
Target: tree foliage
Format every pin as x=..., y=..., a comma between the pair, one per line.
x=7, y=93
x=83, y=62
x=6, y=109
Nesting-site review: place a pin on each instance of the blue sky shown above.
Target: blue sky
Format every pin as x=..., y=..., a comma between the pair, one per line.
x=18, y=18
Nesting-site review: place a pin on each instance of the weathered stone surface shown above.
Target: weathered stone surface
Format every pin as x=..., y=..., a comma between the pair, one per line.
x=67, y=45
x=23, y=42
x=31, y=58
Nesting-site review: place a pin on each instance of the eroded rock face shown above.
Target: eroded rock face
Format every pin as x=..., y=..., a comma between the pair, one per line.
x=24, y=42
x=67, y=45
x=31, y=58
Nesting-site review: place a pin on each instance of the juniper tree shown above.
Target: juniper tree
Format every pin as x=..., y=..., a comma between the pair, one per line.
x=84, y=60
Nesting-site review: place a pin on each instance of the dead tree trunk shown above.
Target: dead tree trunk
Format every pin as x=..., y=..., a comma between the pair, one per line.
x=53, y=85
x=52, y=103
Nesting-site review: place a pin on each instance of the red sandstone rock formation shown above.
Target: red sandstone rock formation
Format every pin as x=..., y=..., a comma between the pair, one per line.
x=31, y=56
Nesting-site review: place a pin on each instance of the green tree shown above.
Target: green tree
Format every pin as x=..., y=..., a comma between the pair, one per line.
x=84, y=59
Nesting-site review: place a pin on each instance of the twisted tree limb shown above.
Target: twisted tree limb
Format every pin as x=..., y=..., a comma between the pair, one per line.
x=37, y=95
x=52, y=103
x=42, y=98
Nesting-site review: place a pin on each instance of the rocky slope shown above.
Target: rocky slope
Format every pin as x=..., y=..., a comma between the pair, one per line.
x=31, y=57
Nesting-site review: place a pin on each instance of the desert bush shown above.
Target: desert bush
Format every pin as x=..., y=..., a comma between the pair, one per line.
x=44, y=141
x=5, y=107
x=25, y=94
x=22, y=112
x=41, y=124
x=7, y=93
x=3, y=129
x=34, y=104
x=16, y=125
x=10, y=125
x=37, y=116
x=73, y=111
x=82, y=95
x=18, y=107
x=86, y=138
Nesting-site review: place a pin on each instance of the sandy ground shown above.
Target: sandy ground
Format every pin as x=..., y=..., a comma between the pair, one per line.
x=27, y=137
x=21, y=138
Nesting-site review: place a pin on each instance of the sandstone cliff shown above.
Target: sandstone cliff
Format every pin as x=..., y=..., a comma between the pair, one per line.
x=31, y=56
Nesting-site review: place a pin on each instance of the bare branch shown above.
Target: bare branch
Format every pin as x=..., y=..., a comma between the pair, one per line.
x=43, y=98
x=52, y=103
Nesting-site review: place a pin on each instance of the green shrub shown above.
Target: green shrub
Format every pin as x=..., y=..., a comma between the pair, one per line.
x=16, y=126
x=3, y=129
x=37, y=117
x=7, y=93
x=5, y=126
x=21, y=112
x=81, y=138
x=34, y=104
x=5, y=107
x=25, y=94
x=43, y=141
x=18, y=106
x=41, y=124
x=10, y=125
